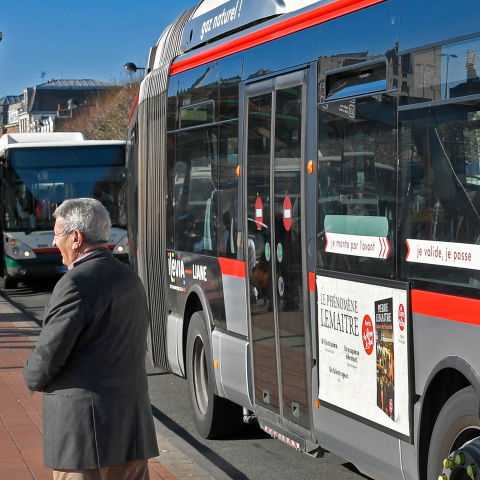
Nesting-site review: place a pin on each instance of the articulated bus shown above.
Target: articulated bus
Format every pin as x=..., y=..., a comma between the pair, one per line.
x=304, y=211
x=40, y=171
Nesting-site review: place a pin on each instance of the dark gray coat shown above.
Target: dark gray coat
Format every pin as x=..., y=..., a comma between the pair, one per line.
x=89, y=362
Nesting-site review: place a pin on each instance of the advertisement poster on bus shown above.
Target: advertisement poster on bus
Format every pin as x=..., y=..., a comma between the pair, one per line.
x=363, y=351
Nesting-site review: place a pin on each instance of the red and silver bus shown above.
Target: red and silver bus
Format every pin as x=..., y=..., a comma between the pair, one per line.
x=304, y=212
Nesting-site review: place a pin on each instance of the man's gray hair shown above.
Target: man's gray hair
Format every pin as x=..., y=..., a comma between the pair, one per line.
x=86, y=215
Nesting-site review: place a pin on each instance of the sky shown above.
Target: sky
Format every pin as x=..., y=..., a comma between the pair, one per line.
x=75, y=39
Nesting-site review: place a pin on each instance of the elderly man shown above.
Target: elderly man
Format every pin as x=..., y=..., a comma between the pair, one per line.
x=89, y=360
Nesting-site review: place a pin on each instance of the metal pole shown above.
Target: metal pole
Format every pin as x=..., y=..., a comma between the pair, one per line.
x=446, y=82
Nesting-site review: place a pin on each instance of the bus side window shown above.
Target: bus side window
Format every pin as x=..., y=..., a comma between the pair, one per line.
x=441, y=187
x=227, y=224
x=182, y=185
x=209, y=241
x=195, y=183
x=228, y=190
x=171, y=193
x=357, y=185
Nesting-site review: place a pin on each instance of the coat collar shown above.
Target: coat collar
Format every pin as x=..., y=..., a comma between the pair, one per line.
x=101, y=252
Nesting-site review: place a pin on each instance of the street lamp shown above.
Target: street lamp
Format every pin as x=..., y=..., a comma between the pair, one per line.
x=131, y=68
x=448, y=55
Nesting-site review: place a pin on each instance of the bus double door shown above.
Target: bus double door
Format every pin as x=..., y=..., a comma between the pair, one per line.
x=274, y=155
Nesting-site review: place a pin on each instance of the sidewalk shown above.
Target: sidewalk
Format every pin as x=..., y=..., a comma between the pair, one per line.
x=21, y=449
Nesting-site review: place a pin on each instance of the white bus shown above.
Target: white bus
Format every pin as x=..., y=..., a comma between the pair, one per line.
x=40, y=171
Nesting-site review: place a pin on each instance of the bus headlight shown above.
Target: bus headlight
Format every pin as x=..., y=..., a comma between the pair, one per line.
x=122, y=246
x=16, y=249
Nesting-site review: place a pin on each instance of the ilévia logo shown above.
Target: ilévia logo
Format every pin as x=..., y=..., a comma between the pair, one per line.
x=176, y=267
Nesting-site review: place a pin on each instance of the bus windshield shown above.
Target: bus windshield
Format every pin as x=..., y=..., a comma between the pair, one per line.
x=39, y=179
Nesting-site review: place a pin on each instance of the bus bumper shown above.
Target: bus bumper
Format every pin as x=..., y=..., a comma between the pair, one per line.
x=32, y=272
x=44, y=266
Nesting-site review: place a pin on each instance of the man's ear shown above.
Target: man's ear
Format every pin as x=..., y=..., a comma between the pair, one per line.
x=77, y=240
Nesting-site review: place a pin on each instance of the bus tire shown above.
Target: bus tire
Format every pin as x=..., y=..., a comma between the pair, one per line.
x=457, y=423
x=214, y=416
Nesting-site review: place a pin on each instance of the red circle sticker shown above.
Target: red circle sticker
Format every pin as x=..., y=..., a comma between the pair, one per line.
x=287, y=213
x=367, y=334
x=401, y=317
x=259, y=212
x=390, y=406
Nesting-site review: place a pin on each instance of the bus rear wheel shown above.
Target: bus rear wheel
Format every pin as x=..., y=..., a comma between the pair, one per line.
x=457, y=425
x=214, y=416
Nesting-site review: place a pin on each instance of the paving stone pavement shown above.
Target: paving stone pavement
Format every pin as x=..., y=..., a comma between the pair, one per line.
x=21, y=413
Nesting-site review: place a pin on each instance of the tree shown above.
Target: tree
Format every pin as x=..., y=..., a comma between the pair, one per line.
x=103, y=117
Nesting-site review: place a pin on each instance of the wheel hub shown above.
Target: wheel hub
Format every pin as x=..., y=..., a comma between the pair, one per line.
x=463, y=463
x=200, y=374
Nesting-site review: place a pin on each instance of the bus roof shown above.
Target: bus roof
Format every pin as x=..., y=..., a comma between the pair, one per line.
x=215, y=18
x=55, y=139
x=10, y=138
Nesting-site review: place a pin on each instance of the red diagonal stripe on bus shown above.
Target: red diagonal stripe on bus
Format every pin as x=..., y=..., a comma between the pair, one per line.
x=457, y=309
x=408, y=252
x=381, y=247
x=278, y=30
x=388, y=248
x=133, y=110
x=233, y=268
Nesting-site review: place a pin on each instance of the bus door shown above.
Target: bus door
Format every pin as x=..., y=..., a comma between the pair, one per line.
x=274, y=155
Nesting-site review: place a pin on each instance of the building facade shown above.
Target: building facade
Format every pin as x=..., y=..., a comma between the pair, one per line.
x=42, y=107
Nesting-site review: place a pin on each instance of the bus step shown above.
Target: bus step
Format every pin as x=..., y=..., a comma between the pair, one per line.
x=286, y=436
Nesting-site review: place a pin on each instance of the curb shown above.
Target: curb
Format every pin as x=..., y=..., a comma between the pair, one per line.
x=171, y=457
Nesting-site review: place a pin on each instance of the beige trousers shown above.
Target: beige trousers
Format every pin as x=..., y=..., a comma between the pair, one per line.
x=134, y=470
